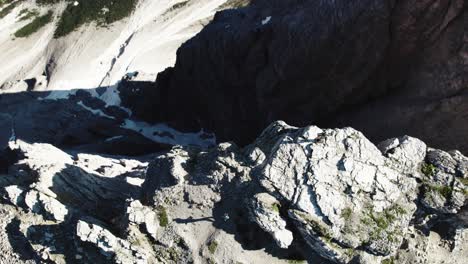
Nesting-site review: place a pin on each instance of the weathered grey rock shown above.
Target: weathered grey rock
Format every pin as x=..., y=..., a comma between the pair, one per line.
x=139, y=214
x=346, y=197
x=330, y=193
x=343, y=188
x=14, y=194
x=445, y=181
x=432, y=248
x=269, y=138
x=110, y=245
x=40, y=203
x=199, y=175
x=406, y=153
x=165, y=171
x=265, y=212
x=91, y=183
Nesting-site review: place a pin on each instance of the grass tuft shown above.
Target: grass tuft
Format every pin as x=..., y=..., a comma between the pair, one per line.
x=162, y=215
x=428, y=169
x=445, y=191
x=346, y=213
x=34, y=26
x=103, y=12
x=276, y=207
x=212, y=247
x=7, y=9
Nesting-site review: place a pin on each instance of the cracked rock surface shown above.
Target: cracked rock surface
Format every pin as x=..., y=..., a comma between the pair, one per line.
x=294, y=194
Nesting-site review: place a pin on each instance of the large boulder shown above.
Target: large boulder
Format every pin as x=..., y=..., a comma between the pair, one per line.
x=342, y=191
x=121, y=251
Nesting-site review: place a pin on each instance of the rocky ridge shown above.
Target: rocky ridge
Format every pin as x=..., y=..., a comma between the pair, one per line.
x=312, y=194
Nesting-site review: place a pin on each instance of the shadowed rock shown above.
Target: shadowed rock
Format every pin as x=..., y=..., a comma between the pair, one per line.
x=384, y=67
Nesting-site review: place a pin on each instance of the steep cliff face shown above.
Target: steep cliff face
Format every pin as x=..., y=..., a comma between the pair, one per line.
x=326, y=62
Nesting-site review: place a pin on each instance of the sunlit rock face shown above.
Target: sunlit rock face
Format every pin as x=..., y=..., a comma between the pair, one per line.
x=312, y=194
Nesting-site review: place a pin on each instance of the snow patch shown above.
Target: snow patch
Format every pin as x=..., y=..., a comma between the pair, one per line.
x=135, y=181
x=164, y=134
x=58, y=95
x=113, y=138
x=98, y=112
x=266, y=20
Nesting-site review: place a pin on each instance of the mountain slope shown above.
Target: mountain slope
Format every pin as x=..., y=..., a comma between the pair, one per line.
x=92, y=56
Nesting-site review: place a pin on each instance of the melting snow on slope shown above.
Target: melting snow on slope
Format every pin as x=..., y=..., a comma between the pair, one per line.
x=98, y=112
x=57, y=95
x=164, y=134
x=113, y=138
x=110, y=96
x=266, y=20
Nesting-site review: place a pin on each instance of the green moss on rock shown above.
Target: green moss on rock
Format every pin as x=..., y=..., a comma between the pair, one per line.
x=212, y=246
x=428, y=169
x=162, y=216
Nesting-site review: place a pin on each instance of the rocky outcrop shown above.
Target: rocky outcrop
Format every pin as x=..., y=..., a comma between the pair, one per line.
x=51, y=179
x=445, y=181
x=341, y=188
x=266, y=213
x=70, y=122
x=110, y=245
x=321, y=195
x=383, y=67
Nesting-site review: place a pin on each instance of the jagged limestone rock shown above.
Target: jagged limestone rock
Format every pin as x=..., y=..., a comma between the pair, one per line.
x=40, y=203
x=344, y=188
x=91, y=183
x=265, y=211
x=110, y=245
x=139, y=214
x=406, y=153
x=328, y=192
x=14, y=194
x=165, y=171
x=445, y=181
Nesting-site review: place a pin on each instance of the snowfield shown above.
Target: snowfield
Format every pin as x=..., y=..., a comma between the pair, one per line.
x=95, y=56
